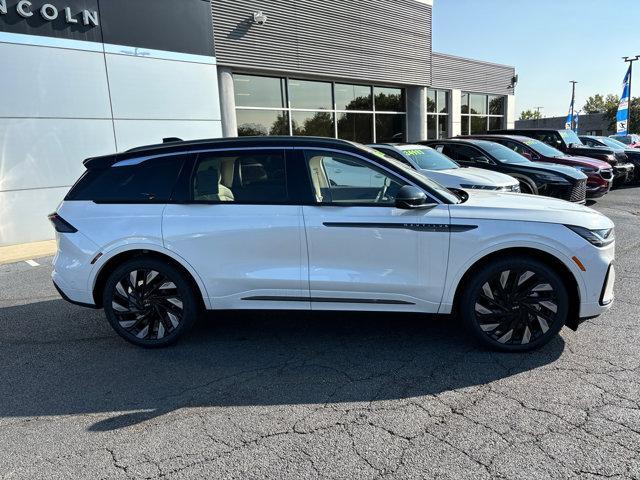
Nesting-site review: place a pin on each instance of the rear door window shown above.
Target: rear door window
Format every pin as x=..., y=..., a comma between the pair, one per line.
x=240, y=177
x=130, y=181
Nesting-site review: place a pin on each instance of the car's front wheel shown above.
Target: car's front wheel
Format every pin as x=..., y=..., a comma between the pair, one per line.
x=515, y=304
x=149, y=302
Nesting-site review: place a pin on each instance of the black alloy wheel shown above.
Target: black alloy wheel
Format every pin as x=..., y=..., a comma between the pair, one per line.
x=515, y=305
x=149, y=303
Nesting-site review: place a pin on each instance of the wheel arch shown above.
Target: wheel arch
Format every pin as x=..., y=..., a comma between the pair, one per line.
x=549, y=259
x=111, y=263
x=523, y=178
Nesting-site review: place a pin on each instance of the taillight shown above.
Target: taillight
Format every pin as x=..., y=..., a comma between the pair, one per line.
x=60, y=224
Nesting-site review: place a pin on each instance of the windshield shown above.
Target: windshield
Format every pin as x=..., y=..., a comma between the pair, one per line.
x=569, y=137
x=610, y=142
x=503, y=154
x=543, y=149
x=428, y=158
x=413, y=174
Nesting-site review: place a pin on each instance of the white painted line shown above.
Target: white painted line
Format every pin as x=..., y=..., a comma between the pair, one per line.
x=32, y=263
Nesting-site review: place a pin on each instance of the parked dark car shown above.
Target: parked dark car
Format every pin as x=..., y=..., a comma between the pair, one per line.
x=599, y=173
x=568, y=142
x=537, y=178
x=633, y=154
x=632, y=140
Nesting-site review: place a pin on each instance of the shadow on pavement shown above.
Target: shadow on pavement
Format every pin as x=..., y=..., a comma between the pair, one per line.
x=58, y=359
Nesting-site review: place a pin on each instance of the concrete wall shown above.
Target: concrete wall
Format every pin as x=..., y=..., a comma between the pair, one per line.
x=64, y=99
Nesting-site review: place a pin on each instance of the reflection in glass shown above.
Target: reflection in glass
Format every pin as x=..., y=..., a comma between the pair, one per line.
x=496, y=105
x=495, y=123
x=431, y=101
x=478, y=104
x=306, y=94
x=357, y=127
x=464, y=127
x=464, y=105
x=262, y=122
x=443, y=104
x=431, y=127
x=389, y=99
x=253, y=91
x=353, y=97
x=390, y=128
x=478, y=125
x=313, y=123
x=443, y=126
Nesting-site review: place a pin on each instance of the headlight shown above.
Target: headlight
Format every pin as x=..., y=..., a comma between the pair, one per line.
x=599, y=238
x=478, y=187
x=586, y=169
x=611, y=158
x=550, y=177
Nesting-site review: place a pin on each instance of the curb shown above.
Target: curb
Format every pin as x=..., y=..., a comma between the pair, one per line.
x=26, y=251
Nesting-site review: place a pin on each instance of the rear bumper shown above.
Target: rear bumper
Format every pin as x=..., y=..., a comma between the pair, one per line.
x=70, y=300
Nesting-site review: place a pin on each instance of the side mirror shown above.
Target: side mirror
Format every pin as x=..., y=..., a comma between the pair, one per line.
x=410, y=197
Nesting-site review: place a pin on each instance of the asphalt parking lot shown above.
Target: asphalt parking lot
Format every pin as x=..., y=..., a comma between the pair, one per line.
x=296, y=395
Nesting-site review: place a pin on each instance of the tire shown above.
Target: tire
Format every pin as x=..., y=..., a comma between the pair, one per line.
x=149, y=303
x=509, y=304
x=526, y=187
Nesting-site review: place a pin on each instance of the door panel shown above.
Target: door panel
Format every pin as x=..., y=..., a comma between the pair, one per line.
x=241, y=230
x=395, y=259
x=245, y=254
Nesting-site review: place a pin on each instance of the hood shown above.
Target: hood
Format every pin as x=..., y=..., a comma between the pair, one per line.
x=527, y=208
x=585, y=161
x=456, y=177
x=553, y=168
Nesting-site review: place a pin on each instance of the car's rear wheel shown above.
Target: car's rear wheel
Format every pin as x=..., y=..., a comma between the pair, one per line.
x=515, y=304
x=149, y=302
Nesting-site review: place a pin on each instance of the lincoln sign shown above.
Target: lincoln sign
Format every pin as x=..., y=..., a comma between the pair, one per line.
x=50, y=12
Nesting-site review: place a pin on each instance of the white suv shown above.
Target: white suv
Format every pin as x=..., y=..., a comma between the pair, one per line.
x=157, y=234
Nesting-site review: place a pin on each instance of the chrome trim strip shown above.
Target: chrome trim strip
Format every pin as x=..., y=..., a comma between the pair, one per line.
x=417, y=227
x=376, y=301
x=157, y=54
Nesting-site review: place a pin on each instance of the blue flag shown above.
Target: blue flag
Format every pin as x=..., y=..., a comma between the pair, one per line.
x=622, y=118
x=568, y=125
x=577, y=120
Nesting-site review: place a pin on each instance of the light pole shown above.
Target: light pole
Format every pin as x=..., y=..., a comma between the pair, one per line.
x=539, y=116
x=573, y=101
x=630, y=60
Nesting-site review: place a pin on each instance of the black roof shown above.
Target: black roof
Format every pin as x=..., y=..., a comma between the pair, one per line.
x=472, y=141
x=227, y=142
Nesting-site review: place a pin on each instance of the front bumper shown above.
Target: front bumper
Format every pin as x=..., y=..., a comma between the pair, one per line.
x=623, y=171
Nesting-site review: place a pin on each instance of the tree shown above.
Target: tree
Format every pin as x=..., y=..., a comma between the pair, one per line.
x=530, y=115
x=611, y=109
x=599, y=104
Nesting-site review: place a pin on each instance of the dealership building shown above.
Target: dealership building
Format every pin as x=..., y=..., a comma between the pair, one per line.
x=82, y=78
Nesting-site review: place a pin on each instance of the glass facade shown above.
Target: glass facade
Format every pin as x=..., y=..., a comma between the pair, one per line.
x=481, y=113
x=437, y=114
x=287, y=106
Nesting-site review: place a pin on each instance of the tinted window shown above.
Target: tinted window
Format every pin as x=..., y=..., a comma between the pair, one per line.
x=243, y=177
x=150, y=181
x=313, y=123
x=306, y=94
x=462, y=153
x=339, y=178
x=428, y=158
x=253, y=91
x=503, y=154
x=357, y=127
x=353, y=97
x=390, y=128
x=262, y=122
x=389, y=99
x=542, y=148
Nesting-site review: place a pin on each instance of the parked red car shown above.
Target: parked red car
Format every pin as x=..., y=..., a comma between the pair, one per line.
x=599, y=174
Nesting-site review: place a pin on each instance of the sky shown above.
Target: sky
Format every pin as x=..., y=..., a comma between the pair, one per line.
x=549, y=42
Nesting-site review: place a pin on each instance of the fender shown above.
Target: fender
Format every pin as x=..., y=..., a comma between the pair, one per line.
x=152, y=247
x=453, y=278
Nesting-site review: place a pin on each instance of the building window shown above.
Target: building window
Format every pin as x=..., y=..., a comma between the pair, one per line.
x=481, y=113
x=288, y=106
x=437, y=114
